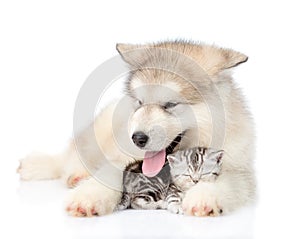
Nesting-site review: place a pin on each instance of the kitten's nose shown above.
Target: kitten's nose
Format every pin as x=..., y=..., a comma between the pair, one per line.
x=140, y=139
x=195, y=180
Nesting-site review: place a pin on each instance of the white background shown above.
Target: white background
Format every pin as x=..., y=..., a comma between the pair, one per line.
x=49, y=48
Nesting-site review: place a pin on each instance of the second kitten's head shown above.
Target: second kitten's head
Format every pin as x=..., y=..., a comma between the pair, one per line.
x=189, y=166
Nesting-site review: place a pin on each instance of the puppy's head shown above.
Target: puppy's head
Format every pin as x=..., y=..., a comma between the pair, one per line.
x=170, y=84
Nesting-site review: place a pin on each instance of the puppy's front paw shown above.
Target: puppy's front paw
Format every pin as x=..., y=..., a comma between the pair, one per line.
x=91, y=198
x=83, y=201
x=202, y=201
x=82, y=209
x=74, y=179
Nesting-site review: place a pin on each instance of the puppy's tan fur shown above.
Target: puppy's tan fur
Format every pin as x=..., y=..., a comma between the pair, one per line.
x=235, y=186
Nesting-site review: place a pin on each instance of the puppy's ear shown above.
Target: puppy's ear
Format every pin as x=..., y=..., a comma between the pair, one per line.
x=215, y=60
x=122, y=47
x=132, y=54
x=231, y=59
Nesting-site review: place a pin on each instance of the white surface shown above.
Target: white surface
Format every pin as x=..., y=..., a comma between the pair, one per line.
x=48, y=49
x=41, y=201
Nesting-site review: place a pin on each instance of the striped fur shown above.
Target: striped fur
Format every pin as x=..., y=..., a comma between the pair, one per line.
x=165, y=191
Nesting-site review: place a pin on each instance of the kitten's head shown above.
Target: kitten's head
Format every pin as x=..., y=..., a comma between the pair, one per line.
x=189, y=166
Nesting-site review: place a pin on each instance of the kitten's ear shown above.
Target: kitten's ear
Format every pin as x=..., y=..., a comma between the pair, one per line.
x=172, y=159
x=217, y=155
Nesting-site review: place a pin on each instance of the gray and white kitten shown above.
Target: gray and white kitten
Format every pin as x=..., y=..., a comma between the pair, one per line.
x=187, y=168
x=183, y=169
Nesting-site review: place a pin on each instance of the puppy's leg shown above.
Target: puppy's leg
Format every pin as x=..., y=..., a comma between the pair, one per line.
x=38, y=166
x=90, y=198
x=74, y=170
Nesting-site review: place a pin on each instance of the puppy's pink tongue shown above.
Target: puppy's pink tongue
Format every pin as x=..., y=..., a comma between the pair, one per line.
x=153, y=163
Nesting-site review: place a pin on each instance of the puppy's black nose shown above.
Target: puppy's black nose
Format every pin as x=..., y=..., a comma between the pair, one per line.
x=140, y=139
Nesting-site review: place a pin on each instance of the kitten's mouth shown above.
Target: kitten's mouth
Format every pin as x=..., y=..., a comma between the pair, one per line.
x=154, y=161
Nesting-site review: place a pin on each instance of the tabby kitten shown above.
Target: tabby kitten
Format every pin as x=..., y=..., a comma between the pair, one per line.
x=166, y=190
x=187, y=168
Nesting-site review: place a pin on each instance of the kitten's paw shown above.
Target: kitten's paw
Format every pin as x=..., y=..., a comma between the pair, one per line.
x=91, y=198
x=202, y=201
x=175, y=208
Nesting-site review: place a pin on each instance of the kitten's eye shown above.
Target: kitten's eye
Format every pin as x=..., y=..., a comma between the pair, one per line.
x=169, y=105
